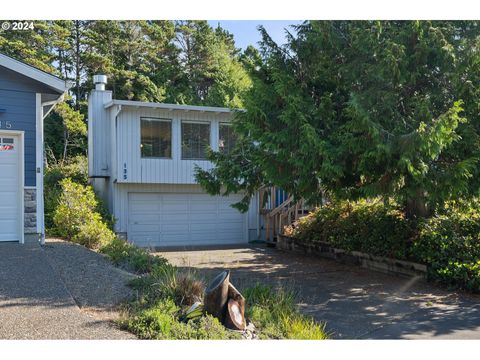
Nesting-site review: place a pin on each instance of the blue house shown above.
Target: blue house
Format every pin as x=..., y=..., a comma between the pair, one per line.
x=27, y=95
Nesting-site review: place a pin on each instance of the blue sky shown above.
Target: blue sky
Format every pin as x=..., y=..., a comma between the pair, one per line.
x=246, y=33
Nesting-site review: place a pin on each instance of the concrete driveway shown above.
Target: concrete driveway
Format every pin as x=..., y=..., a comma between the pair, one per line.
x=356, y=303
x=36, y=304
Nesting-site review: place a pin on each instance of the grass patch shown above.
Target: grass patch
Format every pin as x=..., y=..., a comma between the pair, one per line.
x=164, y=293
x=276, y=316
x=131, y=257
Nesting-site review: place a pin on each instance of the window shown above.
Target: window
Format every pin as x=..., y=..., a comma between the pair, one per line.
x=226, y=140
x=7, y=144
x=195, y=140
x=156, y=139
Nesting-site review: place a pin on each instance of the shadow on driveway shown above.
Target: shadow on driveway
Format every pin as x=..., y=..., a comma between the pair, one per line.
x=356, y=303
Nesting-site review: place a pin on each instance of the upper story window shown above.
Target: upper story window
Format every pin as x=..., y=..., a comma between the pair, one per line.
x=195, y=140
x=156, y=141
x=226, y=140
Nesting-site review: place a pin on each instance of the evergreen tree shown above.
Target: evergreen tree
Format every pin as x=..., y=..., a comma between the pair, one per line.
x=361, y=109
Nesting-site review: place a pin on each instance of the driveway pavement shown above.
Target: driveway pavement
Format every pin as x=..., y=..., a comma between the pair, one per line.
x=355, y=303
x=36, y=304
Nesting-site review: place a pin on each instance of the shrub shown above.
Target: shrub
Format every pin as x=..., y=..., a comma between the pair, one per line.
x=161, y=322
x=94, y=234
x=75, y=169
x=367, y=226
x=75, y=208
x=131, y=257
x=76, y=218
x=449, y=242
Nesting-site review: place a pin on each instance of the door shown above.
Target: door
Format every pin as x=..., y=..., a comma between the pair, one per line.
x=180, y=219
x=10, y=188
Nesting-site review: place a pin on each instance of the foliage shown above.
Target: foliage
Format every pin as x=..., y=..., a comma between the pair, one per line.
x=450, y=243
x=76, y=169
x=161, y=322
x=131, y=257
x=94, y=234
x=368, y=226
x=275, y=314
x=76, y=207
x=76, y=218
x=360, y=109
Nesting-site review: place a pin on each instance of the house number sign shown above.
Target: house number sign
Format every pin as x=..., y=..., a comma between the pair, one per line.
x=5, y=124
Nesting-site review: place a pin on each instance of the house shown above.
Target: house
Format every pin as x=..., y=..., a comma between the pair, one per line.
x=27, y=95
x=142, y=158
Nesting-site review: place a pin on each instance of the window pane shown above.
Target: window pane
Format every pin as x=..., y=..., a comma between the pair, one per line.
x=156, y=138
x=226, y=138
x=195, y=140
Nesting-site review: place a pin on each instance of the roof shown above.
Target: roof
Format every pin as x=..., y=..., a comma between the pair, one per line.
x=165, y=106
x=31, y=72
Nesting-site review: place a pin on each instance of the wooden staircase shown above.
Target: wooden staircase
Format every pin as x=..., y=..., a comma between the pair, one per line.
x=278, y=209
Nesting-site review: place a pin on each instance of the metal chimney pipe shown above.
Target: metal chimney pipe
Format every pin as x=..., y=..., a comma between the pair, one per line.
x=100, y=82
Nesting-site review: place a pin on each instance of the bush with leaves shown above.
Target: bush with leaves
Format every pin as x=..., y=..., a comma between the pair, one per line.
x=76, y=219
x=131, y=257
x=368, y=226
x=449, y=242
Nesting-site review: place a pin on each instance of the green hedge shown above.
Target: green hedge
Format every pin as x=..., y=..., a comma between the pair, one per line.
x=448, y=241
x=368, y=226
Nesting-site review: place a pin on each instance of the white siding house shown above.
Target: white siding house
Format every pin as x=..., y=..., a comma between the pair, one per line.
x=141, y=161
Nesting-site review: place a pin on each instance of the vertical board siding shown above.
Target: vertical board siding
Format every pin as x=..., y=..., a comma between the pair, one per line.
x=132, y=168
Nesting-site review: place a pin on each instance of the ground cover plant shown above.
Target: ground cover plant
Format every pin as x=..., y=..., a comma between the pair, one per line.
x=164, y=293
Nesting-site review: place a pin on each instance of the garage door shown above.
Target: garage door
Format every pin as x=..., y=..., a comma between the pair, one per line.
x=184, y=219
x=9, y=189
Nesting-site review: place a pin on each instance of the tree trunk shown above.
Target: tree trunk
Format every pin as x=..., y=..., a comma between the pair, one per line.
x=216, y=296
x=416, y=206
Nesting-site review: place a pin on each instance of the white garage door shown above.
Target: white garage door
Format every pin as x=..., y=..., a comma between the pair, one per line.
x=181, y=219
x=9, y=189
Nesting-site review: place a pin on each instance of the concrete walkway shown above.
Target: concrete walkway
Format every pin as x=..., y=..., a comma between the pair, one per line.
x=356, y=303
x=35, y=303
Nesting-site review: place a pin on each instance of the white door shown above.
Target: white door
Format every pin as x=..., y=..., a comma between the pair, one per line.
x=9, y=188
x=180, y=219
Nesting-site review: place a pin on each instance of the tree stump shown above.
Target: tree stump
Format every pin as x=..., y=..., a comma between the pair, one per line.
x=216, y=296
x=234, y=318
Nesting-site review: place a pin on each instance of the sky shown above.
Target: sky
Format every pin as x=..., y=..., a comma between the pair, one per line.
x=245, y=31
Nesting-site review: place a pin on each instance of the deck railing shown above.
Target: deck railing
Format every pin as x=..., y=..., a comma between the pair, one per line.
x=279, y=209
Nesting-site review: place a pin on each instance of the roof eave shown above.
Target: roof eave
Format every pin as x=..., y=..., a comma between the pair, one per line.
x=55, y=83
x=170, y=106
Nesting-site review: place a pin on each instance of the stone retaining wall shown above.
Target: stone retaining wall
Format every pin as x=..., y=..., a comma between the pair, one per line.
x=377, y=263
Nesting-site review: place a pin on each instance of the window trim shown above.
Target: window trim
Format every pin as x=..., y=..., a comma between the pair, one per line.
x=201, y=122
x=166, y=120
x=220, y=124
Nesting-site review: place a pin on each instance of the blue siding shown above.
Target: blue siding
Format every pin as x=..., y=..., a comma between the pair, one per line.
x=19, y=110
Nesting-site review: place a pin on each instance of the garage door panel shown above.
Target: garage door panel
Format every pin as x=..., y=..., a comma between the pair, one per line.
x=145, y=218
x=144, y=207
x=198, y=206
x=145, y=228
x=10, y=203
x=187, y=219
